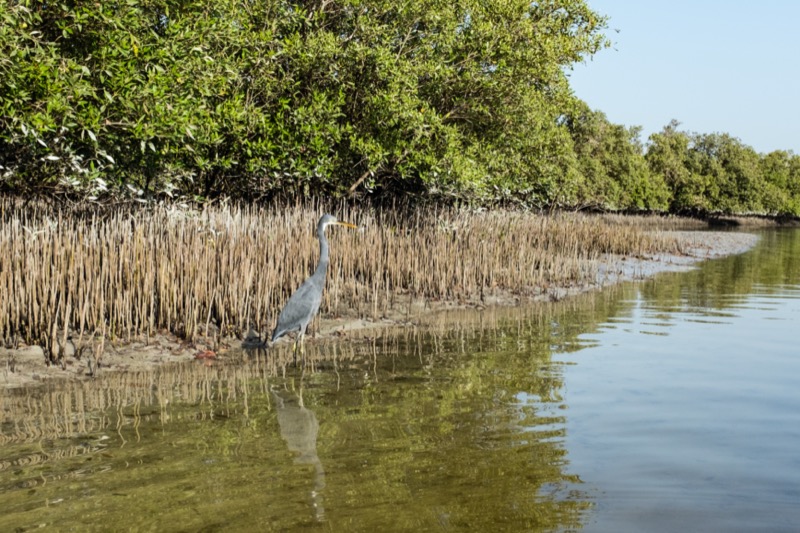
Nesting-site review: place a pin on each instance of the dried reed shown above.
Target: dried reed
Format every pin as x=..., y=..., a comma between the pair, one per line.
x=131, y=272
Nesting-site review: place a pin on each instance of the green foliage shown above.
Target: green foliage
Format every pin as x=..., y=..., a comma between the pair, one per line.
x=781, y=172
x=667, y=155
x=250, y=99
x=729, y=171
x=718, y=173
x=611, y=160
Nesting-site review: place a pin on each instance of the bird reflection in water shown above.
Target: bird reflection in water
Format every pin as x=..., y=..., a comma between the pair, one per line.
x=299, y=428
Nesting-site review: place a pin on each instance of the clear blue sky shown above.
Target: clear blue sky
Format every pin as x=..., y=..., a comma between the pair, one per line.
x=716, y=66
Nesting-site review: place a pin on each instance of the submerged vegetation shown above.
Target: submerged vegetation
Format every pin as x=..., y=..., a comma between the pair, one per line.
x=252, y=419
x=220, y=383
x=223, y=270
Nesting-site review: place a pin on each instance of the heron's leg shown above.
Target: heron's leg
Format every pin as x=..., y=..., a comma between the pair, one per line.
x=298, y=343
x=303, y=348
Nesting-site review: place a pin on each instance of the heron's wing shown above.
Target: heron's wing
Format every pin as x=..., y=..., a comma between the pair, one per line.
x=300, y=308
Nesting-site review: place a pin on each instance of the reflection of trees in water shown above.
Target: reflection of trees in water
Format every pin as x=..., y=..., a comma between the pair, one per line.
x=457, y=422
x=773, y=264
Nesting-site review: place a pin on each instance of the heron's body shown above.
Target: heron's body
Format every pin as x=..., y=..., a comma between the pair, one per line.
x=302, y=306
x=304, y=303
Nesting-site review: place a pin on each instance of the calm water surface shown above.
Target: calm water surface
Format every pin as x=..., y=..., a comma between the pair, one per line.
x=666, y=405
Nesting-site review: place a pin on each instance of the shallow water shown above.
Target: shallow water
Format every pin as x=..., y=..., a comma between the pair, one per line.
x=685, y=411
x=659, y=406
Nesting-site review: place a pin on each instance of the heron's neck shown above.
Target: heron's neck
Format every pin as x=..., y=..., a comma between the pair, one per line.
x=324, y=257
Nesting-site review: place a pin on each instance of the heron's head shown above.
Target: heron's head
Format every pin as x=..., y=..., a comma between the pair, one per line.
x=330, y=220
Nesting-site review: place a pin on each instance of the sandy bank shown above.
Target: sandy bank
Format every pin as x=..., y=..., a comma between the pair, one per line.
x=26, y=366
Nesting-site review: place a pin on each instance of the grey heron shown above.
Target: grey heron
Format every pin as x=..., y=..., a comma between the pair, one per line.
x=304, y=303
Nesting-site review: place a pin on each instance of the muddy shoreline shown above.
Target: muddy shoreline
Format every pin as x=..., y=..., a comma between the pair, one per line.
x=25, y=367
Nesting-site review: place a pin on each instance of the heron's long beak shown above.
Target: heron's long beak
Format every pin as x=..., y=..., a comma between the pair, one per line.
x=346, y=225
